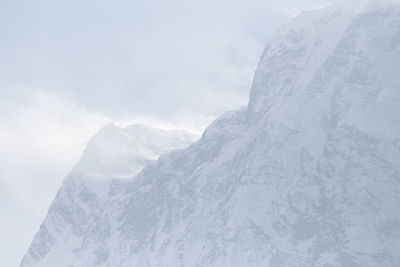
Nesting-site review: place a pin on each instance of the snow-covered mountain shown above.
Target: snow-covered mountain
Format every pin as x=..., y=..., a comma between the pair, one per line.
x=114, y=153
x=308, y=174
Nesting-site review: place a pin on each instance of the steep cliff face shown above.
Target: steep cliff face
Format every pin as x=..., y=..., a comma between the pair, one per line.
x=112, y=154
x=307, y=175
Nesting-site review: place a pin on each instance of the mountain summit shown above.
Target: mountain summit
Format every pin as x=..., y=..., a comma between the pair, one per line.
x=307, y=175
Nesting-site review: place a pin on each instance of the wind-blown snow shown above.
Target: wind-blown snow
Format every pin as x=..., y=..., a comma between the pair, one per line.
x=114, y=153
x=307, y=175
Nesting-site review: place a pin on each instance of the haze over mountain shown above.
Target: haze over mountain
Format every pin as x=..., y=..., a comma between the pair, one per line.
x=308, y=174
x=114, y=153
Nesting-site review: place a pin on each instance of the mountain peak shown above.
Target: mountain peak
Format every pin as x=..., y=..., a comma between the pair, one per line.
x=113, y=154
x=116, y=152
x=307, y=68
x=307, y=175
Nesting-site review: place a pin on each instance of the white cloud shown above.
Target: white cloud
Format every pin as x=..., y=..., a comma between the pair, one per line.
x=40, y=139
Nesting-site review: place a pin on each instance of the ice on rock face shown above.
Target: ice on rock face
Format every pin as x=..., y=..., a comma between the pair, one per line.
x=307, y=175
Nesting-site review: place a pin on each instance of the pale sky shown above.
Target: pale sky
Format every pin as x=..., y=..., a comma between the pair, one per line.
x=67, y=68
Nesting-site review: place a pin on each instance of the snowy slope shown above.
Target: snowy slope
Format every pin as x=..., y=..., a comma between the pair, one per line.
x=113, y=153
x=307, y=175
